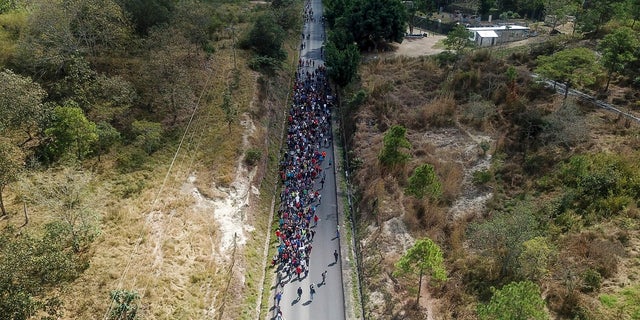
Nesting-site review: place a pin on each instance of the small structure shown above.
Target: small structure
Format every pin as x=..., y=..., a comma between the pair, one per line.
x=490, y=36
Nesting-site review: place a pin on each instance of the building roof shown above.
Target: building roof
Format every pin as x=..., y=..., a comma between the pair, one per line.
x=487, y=34
x=497, y=28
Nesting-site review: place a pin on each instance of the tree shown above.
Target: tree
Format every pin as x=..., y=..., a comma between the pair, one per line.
x=618, y=49
x=393, y=140
x=266, y=37
x=458, y=39
x=148, y=135
x=515, y=301
x=68, y=196
x=425, y=256
x=424, y=181
x=342, y=65
x=47, y=43
x=21, y=106
x=147, y=14
x=570, y=66
x=501, y=236
x=107, y=137
x=10, y=164
x=70, y=132
x=172, y=76
x=30, y=266
x=375, y=21
x=229, y=108
x=99, y=26
x=535, y=257
x=102, y=98
x=557, y=10
x=634, y=11
x=565, y=127
x=595, y=13
x=126, y=305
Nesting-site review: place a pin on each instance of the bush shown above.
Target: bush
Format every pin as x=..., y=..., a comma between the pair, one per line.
x=264, y=64
x=591, y=281
x=482, y=177
x=252, y=156
x=131, y=160
x=447, y=58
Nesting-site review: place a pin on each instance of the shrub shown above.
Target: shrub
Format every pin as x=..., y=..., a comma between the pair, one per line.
x=482, y=177
x=131, y=160
x=591, y=281
x=252, y=156
x=264, y=64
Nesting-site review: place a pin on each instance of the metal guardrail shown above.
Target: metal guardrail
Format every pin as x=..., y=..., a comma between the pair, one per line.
x=561, y=88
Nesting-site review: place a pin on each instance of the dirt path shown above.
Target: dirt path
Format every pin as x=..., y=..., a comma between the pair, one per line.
x=416, y=47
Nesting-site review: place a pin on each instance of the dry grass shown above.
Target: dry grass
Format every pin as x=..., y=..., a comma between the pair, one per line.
x=156, y=241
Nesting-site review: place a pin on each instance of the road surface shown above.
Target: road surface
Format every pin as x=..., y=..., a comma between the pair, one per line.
x=328, y=302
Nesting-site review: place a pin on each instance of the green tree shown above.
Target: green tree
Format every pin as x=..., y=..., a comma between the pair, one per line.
x=11, y=161
x=535, y=257
x=70, y=132
x=21, y=106
x=458, y=39
x=172, y=76
x=618, y=49
x=501, y=237
x=342, y=65
x=596, y=13
x=394, y=139
x=30, y=267
x=266, y=37
x=634, y=11
x=107, y=137
x=424, y=257
x=126, y=305
x=229, y=108
x=148, y=135
x=424, y=181
x=570, y=66
x=99, y=26
x=376, y=21
x=47, y=43
x=515, y=301
x=147, y=14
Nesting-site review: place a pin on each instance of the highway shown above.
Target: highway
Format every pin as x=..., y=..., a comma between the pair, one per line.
x=328, y=302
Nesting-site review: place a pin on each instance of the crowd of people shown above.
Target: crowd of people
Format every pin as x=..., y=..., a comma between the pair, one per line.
x=301, y=171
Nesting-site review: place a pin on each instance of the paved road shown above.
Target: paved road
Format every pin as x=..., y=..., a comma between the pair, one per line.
x=328, y=302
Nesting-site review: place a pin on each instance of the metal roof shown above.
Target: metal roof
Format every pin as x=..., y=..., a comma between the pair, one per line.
x=511, y=27
x=487, y=34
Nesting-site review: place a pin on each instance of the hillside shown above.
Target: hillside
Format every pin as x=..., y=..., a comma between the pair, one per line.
x=532, y=188
x=136, y=139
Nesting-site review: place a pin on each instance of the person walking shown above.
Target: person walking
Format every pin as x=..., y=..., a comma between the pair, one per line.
x=278, y=298
x=315, y=220
x=299, y=293
x=338, y=232
x=335, y=255
x=324, y=277
x=312, y=290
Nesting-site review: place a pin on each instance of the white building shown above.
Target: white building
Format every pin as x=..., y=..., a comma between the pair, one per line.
x=490, y=36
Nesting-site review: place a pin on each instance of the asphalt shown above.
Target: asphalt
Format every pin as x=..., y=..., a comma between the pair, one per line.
x=328, y=302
